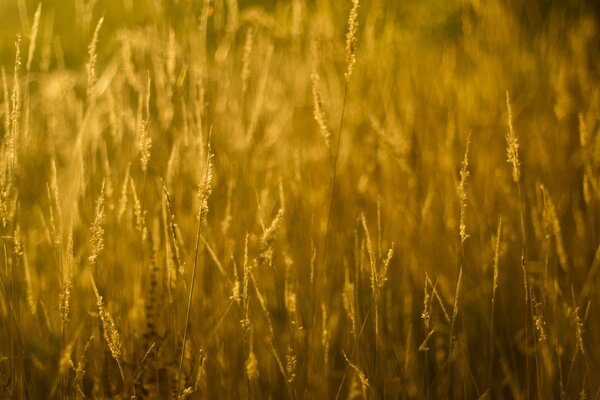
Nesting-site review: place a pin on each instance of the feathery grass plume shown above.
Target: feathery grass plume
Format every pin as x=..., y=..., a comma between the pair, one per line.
x=16, y=106
x=267, y=240
x=578, y=321
x=574, y=312
x=281, y=194
x=364, y=382
x=386, y=264
x=205, y=188
x=426, y=313
x=278, y=361
x=7, y=192
x=351, y=39
x=33, y=35
x=248, y=43
x=186, y=393
x=512, y=144
x=91, y=65
x=496, y=259
x=123, y=198
x=111, y=334
x=538, y=318
x=375, y=284
x=553, y=227
x=174, y=233
x=145, y=141
x=172, y=237
x=247, y=270
x=371, y=254
x=318, y=111
x=140, y=215
x=236, y=290
x=462, y=193
x=427, y=301
x=96, y=230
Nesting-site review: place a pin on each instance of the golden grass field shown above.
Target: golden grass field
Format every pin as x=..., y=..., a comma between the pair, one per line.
x=223, y=199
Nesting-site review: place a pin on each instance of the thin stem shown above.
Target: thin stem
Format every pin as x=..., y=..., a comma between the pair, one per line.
x=189, y=305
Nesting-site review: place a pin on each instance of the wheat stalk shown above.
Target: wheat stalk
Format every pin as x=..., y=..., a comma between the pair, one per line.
x=318, y=111
x=351, y=39
x=111, y=334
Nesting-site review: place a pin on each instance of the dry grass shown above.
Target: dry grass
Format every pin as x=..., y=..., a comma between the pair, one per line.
x=223, y=199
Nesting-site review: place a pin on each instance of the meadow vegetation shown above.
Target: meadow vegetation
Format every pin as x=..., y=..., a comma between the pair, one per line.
x=299, y=199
